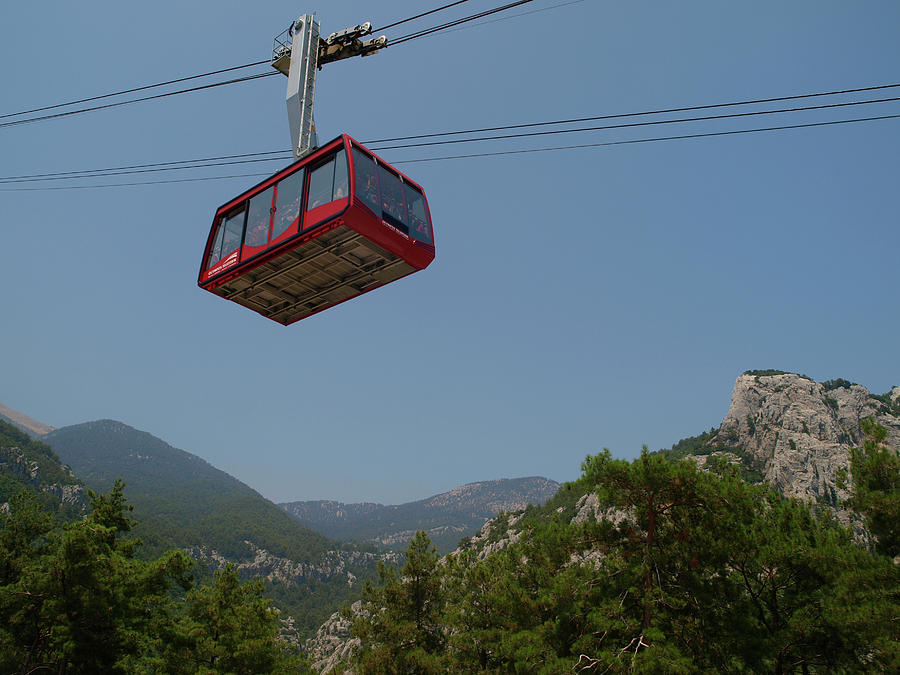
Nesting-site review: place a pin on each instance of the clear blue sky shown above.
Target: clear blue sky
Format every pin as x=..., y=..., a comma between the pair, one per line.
x=580, y=299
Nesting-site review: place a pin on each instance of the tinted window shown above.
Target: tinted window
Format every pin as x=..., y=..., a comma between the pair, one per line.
x=366, y=180
x=234, y=227
x=341, y=176
x=392, y=208
x=321, y=183
x=328, y=181
x=418, y=214
x=258, y=219
x=215, y=253
x=287, y=203
x=228, y=237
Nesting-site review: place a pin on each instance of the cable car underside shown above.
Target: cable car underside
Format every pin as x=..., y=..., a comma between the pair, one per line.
x=335, y=266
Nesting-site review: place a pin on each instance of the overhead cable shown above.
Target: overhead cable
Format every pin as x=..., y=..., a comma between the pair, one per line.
x=509, y=152
x=419, y=16
x=135, y=89
x=514, y=16
x=279, y=155
x=90, y=173
x=662, y=111
x=625, y=125
x=652, y=140
x=41, y=118
x=457, y=22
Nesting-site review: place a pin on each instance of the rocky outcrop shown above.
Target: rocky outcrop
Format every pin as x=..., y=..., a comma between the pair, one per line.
x=268, y=566
x=16, y=463
x=800, y=431
x=333, y=646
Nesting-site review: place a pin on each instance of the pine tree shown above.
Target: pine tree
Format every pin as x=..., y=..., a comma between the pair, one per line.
x=403, y=632
x=876, y=487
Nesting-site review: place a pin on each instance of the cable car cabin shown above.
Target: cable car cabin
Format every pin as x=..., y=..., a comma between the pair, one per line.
x=335, y=224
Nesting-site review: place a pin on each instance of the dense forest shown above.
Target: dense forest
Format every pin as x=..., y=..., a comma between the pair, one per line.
x=75, y=599
x=686, y=571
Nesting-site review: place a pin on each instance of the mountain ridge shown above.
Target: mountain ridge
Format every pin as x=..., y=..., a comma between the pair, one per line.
x=446, y=517
x=30, y=426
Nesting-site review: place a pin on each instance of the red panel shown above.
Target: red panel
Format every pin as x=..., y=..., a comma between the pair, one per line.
x=287, y=234
x=322, y=213
x=373, y=228
x=229, y=261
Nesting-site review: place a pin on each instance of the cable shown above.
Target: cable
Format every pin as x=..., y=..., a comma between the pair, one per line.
x=638, y=124
x=419, y=16
x=639, y=114
x=285, y=154
x=509, y=152
x=131, y=91
x=653, y=140
x=450, y=24
x=91, y=173
x=132, y=172
x=137, y=100
x=514, y=16
x=149, y=182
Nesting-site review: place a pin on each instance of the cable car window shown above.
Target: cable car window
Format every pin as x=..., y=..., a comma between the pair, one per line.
x=366, y=180
x=215, y=253
x=287, y=203
x=418, y=214
x=341, y=176
x=392, y=207
x=321, y=183
x=258, y=219
x=234, y=228
x=328, y=182
x=228, y=236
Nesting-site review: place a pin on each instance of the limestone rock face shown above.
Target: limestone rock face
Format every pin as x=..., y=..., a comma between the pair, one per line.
x=333, y=646
x=268, y=566
x=800, y=431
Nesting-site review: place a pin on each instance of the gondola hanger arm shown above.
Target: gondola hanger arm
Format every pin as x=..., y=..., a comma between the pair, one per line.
x=299, y=52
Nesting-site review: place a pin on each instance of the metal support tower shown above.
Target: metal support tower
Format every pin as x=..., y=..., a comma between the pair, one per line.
x=298, y=53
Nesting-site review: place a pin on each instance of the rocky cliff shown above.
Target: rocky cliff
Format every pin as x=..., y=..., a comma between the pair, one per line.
x=799, y=432
x=33, y=465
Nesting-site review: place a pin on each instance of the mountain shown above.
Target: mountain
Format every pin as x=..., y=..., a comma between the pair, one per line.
x=31, y=427
x=447, y=517
x=31, y=465
x=181, y=501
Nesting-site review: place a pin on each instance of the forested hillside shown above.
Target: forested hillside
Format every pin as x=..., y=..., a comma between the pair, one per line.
x=33, y=465
x=182, y=502
x=179, y=499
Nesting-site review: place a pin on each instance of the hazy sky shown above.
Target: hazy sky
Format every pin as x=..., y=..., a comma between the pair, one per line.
x=580, y=299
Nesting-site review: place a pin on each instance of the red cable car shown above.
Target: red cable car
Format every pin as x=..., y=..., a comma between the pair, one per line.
x=336, y=224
